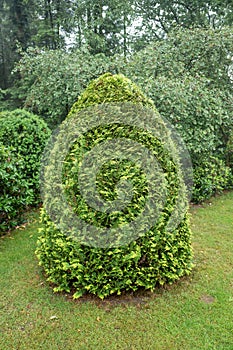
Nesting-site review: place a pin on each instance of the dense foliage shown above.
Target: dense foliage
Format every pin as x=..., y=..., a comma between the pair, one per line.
x=200, y=53
x=189, y=77
x=15, y=193
x=109, y=27
x=229, y=151
x=159, y=256
x=51, y=81
x=196, y=111
x=63, y=76
x=210, y=177
x=27, y=135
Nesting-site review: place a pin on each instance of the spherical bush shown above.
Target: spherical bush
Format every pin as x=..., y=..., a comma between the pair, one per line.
x=116, y=248
x=27, y=135
x=15, y=195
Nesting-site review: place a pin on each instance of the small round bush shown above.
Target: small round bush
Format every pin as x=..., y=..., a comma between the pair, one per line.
x=212, y=176
x=27, y=134
x=15, y=194
x=159, y=256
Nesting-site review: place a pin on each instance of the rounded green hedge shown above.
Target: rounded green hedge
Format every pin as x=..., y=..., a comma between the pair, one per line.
x=229, y=151
x=15, y=194
x=27, y=135
x=212, y=176
x=159, y=256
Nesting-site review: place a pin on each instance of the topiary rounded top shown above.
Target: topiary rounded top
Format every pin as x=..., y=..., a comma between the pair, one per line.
x=109, y=88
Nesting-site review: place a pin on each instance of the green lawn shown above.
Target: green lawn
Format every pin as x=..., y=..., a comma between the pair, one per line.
x=194, y=314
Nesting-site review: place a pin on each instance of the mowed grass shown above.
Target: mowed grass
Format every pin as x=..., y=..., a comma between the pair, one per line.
x=195, y=313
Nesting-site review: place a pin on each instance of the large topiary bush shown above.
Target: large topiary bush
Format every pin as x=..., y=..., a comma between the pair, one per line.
x=27, y=135
x=160, y=255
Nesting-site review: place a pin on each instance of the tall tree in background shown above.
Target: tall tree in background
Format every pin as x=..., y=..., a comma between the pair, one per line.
x=53, y=22
x=14, y=29
x=104, y=25
x=5, y=47
x=19, y=16
x=101, y=25
x=160, y=17
x=26, y=23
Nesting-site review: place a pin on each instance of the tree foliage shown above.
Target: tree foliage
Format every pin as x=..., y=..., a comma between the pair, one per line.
x=109, y=27
x=104, y=25
x=188, y=76
x=160, y=17
x=197, y=51
x=51, y=81
x=189, y=64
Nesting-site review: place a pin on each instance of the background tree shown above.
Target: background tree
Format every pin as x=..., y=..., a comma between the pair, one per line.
x=104, y=25
x=160, y=17
x=107, y=26
x=15, y=30
x=188, y=75
x=5, y=48
x=53, y=23
x=51, y=80
x=11, y=30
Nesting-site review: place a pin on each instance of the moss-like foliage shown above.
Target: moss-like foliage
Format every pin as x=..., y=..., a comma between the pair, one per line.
x=157, y=257
x=109, y=89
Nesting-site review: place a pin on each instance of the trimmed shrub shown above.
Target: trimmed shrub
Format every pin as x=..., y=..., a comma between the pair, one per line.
x=27, y=134
x=109, y=89
x=210, y=177
x=15, y=193
x=159, y=256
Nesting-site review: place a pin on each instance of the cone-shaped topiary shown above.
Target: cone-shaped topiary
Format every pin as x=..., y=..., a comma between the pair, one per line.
x=159, y=255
